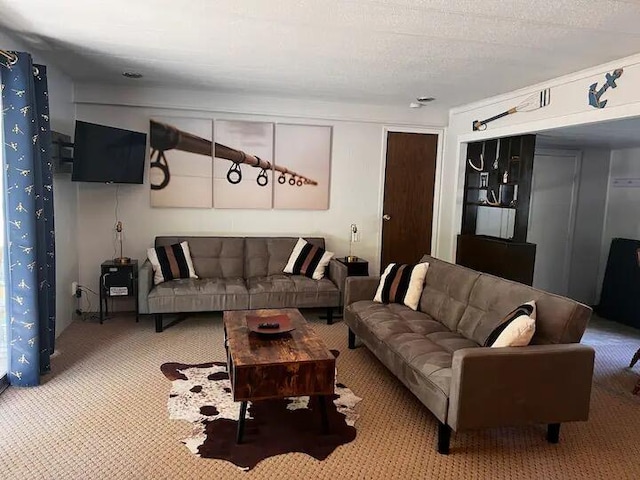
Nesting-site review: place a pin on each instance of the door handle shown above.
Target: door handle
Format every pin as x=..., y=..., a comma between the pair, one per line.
x=386, y=217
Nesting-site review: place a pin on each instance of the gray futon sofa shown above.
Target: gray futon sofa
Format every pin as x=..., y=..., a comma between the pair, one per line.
x=436, y=351
x=239, y=273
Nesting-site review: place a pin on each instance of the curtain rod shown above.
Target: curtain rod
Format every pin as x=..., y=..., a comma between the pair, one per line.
x=12, y=58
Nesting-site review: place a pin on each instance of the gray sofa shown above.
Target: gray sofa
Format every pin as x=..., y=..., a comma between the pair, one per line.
x=436, y=351
x=239, y=273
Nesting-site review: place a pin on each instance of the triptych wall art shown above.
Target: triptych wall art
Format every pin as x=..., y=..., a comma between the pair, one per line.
x=199, y=163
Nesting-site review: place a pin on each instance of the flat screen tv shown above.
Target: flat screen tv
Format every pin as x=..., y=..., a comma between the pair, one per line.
x=107, y=154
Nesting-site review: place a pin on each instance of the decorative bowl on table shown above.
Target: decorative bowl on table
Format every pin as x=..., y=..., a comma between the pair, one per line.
x=269, y=325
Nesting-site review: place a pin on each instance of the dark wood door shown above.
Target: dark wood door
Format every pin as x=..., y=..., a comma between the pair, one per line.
x=408, y=197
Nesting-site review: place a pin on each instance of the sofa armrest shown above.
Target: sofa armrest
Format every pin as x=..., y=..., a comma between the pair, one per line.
x=338, y=273
x=360, y=288
x=493, y=387
x=145, y=284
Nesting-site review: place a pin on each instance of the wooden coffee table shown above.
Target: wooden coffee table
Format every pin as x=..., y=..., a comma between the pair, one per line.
x=292, y=364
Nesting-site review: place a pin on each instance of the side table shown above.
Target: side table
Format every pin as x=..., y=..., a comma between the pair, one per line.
x=117, y=280
x=356, y=267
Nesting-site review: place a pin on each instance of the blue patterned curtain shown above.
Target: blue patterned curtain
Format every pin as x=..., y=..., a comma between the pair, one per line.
x=30, y=259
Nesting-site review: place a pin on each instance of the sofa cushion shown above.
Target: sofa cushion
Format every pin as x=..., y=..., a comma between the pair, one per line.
x=401, y=283
x=386, y=319
x=284, y=291
x=417, y=348
x=446, y=292
x=213, y=257
x=199, y=295
x=269, y=255
x=421, y=341
x=308, y=260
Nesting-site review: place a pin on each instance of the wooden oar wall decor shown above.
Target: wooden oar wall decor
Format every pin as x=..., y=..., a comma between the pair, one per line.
x=166, y=137
x=532, y=102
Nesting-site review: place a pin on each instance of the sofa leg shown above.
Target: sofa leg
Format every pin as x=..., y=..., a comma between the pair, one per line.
x=158, y=322
x=444, y=438
x=553, y=433
x=329, y=315
x=352, y=339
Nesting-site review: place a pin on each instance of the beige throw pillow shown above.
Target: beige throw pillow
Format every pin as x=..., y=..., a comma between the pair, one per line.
x=528, y=309
x=518, y=333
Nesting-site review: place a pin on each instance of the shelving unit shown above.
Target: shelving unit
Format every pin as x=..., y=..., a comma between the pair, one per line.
x=508, y=255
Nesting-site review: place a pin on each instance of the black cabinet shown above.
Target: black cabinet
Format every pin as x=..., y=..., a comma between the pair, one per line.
x=117, y=280
x=356, y=267
x=498, y=176
x=503, y=258
x=620, y=297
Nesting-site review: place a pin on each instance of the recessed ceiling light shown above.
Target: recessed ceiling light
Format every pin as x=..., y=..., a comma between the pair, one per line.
x=135, y=75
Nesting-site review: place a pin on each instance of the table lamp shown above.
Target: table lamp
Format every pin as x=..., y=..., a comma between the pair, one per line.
x=352, y=240
x=121, y=259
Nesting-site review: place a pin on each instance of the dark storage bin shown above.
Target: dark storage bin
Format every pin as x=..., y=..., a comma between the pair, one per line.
x=620, y=297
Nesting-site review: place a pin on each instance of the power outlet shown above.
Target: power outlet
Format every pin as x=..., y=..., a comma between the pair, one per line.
x=74, y=288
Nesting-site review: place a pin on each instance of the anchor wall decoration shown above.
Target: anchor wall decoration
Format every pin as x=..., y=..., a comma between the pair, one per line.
x=594, y=95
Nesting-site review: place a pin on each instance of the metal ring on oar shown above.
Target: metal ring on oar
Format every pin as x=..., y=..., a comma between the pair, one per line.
x=160, y=163
x=234, y=175
x=299, y=182
x=262, y=179
x=292, y=180
x=282, y=179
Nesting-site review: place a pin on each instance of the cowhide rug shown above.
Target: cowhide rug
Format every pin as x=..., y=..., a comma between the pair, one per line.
x=201, y=394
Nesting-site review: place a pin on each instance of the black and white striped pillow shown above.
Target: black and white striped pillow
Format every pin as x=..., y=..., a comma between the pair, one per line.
x=401, y=283
x=170, y=262
x=308, y=260
x=527, y=310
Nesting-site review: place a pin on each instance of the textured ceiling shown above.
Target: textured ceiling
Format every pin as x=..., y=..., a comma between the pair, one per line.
x=373, y=51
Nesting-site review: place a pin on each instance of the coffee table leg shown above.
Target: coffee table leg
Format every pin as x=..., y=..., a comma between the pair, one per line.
x=322, y=401
x=243, y=412
x=635, y=358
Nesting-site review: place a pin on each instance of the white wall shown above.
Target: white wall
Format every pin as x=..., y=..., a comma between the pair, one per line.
x=623, y=203
x=589, y=225
x=356, y=173
x=62, y=115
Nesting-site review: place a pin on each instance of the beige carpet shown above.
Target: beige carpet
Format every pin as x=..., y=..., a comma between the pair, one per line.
x=102, y=413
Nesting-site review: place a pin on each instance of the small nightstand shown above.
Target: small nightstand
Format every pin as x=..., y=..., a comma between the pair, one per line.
x=356, y=267
x=118, y=280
